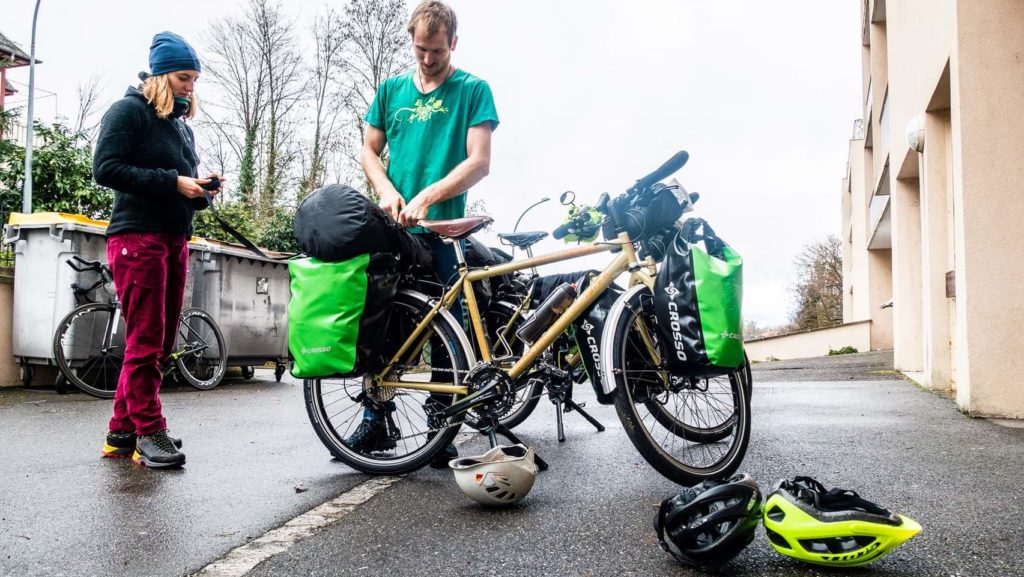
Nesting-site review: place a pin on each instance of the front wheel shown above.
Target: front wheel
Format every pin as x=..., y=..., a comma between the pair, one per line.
x=689, y=429
x=200, y=353
x=409, y=437
x=89, y=348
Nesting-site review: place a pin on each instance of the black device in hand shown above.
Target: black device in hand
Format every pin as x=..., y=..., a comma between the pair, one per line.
x=214, y=184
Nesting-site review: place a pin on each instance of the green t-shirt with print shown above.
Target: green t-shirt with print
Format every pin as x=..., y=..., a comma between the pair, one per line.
x=426, y=133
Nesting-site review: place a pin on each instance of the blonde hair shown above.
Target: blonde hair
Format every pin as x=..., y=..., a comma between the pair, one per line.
x=157, y=90
x=434, y=14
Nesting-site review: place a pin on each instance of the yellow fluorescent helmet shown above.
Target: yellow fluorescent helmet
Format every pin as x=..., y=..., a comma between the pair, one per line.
x=836, y=528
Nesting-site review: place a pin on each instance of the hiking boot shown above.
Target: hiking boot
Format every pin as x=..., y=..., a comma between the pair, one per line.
x=371, y=436
x=157, y=451
x=441, y=460
x=121, y=444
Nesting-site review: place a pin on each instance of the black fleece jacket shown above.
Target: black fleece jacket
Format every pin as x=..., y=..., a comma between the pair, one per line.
x=140, y=157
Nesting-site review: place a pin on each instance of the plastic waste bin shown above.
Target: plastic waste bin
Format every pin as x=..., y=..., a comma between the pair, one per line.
x=42, y=281
x=247, y=296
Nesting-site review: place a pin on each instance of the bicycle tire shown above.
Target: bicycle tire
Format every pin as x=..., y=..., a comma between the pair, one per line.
x=78, y=349
x=336, y=412
x=199, y=351
x=690, y=449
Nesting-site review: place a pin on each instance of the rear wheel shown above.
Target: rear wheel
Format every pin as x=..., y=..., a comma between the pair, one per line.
x=689, y=429
x=336, y=405
x=89, y=348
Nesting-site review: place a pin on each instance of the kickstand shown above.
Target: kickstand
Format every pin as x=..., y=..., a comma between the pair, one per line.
x=561, y=396
x=495, y=428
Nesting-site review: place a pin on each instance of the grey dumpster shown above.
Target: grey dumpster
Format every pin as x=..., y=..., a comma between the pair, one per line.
x=42, y=281
x=248, y=297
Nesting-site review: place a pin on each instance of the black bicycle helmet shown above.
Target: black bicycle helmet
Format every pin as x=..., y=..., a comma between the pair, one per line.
x=709, y=524
x=834, y=527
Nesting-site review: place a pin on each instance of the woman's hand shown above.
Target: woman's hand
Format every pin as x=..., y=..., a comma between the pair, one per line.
x=191, y=187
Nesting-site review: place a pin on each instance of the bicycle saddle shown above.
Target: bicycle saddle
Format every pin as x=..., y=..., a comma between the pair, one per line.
x=522, y=239
x=457, y=228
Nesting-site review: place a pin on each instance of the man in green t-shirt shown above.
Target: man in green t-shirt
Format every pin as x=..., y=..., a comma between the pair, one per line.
x=436, y=121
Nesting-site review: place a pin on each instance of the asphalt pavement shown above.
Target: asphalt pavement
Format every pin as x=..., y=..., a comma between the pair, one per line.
x=856, y=425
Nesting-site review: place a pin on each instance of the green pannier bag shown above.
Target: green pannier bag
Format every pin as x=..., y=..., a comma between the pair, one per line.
x=338, y=313
x=698, y=299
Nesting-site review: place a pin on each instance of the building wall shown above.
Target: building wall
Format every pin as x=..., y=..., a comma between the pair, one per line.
x=855, y=276
x=815, y=343
x=879, y=291
x=987, y=93
x=936, y=252
x=9, y=375
x=918, y=44
x=955, y=207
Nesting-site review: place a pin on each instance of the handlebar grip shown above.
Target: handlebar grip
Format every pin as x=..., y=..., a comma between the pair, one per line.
x=87, y=264
x=562, y=231
x=671, y=166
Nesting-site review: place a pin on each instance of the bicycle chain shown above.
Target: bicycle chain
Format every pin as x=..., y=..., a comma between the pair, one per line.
x=464, y=421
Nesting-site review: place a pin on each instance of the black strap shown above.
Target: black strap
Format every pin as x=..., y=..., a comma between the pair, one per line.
x=714, y=245
x=238, y=236
x=834, y=499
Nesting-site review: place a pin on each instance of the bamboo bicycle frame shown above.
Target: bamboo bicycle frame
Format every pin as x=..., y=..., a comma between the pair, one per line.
x=626, y=260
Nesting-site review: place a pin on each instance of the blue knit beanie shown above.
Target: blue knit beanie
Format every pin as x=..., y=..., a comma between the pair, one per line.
x=170, y=53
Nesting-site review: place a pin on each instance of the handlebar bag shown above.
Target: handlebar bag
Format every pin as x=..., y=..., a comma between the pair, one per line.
x=697, y=303
x=659, y=212
x=338, y=314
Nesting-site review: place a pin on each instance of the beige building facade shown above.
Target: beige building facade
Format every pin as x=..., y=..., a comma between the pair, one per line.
x=933, y=199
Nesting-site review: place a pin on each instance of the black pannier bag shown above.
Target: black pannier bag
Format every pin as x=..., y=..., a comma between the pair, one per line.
x=336, y=222
x=588, y=330
x=698, y=298
x=588, y=327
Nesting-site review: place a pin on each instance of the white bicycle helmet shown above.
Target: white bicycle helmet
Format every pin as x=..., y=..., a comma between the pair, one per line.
x=501, y=476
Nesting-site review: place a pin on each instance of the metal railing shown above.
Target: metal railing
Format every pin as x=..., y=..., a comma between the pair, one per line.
x=858, y=129
x=15, y=132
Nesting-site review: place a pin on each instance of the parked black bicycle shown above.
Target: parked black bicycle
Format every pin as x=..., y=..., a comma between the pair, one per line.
x=89, y=342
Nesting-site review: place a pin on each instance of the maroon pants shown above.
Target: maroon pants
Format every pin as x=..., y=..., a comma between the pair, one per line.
x=149, y=274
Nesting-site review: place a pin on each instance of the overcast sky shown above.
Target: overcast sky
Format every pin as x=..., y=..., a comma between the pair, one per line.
x=592, y=95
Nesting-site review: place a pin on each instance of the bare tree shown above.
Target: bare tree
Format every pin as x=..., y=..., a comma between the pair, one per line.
x=819, y=286
x=274, y=39
x=377, y=46
x=88, y=106
x=236, y=67
x=325, y=85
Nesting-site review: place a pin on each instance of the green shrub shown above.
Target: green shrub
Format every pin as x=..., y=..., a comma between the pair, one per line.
x=847, y=350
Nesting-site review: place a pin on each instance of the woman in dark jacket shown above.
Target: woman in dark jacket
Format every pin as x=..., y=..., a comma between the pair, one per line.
x=146, y=153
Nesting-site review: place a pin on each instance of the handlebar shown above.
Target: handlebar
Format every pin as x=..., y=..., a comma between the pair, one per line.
x=93, y=265
x=87, y=264
x=671, y=166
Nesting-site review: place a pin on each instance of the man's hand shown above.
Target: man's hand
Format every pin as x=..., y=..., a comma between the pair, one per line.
x=415, y=211
x=392, y=203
